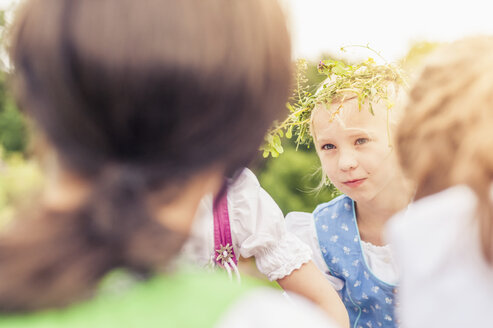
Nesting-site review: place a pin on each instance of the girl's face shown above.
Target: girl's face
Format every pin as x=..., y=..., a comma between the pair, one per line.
x=354, y=149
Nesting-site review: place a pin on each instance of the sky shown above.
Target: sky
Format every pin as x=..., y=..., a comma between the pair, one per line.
x=388, y=26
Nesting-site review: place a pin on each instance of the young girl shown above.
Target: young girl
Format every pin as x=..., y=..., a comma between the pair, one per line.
x=257, y=228
x=352, y=137
x=444, y=241
x=129, y=96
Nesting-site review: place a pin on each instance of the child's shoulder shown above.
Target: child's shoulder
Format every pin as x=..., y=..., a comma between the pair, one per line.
x=244, y=181
x=334, y=204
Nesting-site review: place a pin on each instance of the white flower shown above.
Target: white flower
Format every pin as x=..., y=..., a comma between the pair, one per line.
x=366, y=274
x=388, y=300
x=365, y=310
x=344, y=227
x=347, y=206
x=379, y=323
x=346, y=250
x=323, y=249
x=335, y=215
x=334, y=238
x=357, y=283
x=377, y=306
x=369, y=324
x=355, y=262
x=334, y=259
x=364, y=296
x=345, y=273
x=388, y=317
x=355, y=239
x=375, y=289
x=325, y=227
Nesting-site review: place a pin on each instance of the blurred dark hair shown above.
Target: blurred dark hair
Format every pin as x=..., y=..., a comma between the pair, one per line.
x=136, y=97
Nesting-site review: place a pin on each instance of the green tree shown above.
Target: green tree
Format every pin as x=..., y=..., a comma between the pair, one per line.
x=13, y=132
x=293, y=178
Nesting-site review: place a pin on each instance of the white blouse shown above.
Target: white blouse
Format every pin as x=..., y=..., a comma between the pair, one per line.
x=257, y=229
x=378, y=258
x=265, y=307
x=445, y=280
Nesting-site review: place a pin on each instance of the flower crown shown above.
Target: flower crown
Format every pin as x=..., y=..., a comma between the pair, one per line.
x=367, y=81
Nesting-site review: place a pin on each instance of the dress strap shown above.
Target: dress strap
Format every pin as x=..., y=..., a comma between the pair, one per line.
x=224, y=254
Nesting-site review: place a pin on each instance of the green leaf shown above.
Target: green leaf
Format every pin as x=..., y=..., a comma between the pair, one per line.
x=289, y=133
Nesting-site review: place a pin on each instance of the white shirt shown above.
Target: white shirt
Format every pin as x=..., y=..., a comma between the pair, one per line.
x=379, y=259
x=268, y=308
x=445, y=280
x=257, y=229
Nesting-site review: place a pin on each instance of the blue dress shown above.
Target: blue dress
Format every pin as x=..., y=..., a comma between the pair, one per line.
x=370, y=302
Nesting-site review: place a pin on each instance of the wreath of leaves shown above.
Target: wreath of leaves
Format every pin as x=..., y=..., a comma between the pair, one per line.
x=367, y=81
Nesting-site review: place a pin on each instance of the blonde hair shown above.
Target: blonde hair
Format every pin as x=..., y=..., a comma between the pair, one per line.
x=445, y=137
x=393, y=111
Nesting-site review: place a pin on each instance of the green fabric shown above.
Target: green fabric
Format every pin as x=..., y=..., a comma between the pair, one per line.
x=179, y=300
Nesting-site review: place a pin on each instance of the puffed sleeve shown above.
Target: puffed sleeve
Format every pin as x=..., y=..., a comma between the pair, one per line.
x=259, y=230
x=302, y=224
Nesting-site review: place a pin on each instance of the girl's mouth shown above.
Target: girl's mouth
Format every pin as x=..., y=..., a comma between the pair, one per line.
x=354, y=183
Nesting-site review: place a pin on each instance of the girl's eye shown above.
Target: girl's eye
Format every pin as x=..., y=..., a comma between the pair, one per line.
x=328, y=147
x=361, y=141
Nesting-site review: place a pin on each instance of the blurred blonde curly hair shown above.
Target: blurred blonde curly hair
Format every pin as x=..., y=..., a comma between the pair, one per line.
x=446, y=135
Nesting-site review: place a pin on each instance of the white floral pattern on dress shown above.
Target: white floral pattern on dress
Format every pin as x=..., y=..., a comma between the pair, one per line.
x=367, y=300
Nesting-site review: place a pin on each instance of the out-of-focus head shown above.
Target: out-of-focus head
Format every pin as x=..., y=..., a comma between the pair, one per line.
x=445, y=137
x=139, y=99
x=182, y=85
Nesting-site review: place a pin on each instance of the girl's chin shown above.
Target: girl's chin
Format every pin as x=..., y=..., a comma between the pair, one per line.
x=360, y=196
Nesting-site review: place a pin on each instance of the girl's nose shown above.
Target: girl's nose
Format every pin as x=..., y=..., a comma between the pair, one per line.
x=347, y=161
